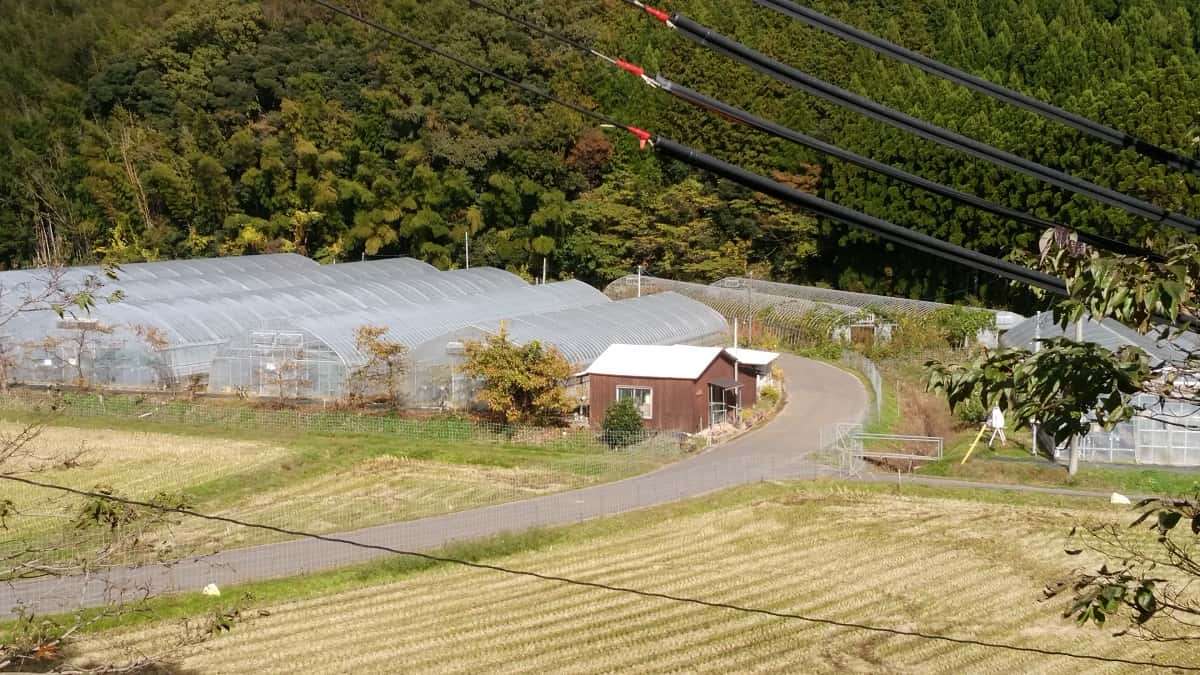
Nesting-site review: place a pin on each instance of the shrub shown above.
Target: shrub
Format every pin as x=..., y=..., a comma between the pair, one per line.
x=827, y=351
x=769, y=396
x=522, y=384
x=622, y=423
x=971, y=411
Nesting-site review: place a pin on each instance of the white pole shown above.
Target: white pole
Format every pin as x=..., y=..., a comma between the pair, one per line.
x=639, y=275
x=467, y=239
x=545, y=266
x=738, y=391
x=735, y=332
x=1073, y=465
x=1037, y=347
x=750, y=311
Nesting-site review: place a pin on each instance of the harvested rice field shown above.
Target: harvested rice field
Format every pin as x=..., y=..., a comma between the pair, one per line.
x=937, y=563
x=302, y=486
x=372, y=492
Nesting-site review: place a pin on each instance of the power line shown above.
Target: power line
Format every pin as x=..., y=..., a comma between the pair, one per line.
x=779, y=131
x=597, y=585
x=883, y=228
x=1079, y=122
x=738, y=115
x=877, y=226
x=798, y=79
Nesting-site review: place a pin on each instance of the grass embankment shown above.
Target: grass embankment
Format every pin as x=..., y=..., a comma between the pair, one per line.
x=909, y=409
x=1016, y=465
x=931, y=560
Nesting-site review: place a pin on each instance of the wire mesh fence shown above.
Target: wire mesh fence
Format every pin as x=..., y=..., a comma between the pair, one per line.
x=874, y=378
x=320, y=470
x=406, y=503
x=237, y=416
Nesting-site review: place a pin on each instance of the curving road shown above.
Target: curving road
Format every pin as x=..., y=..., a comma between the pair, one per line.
x=818, y=395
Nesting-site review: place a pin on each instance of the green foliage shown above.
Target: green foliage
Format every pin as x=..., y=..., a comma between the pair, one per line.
x=148, y=130
x=961, y=325
x=827, y=350
x=769, y=396
x=1054, y=387
x=971, y=411
x=622, y=423
x=521, y=384
x=1151, y=590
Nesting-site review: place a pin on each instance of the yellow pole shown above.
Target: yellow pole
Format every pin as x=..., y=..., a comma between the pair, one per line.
x=975, y=443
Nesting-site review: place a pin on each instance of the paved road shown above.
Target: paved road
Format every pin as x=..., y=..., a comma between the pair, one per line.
x=818, y=395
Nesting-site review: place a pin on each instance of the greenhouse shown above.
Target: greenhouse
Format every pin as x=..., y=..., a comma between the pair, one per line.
x=1110, y=334
x=879, y=304
x=1167, y=433
x=283, y=325
x=832, y=320
x=317, y=357
x=163, y=343
x=178, y=278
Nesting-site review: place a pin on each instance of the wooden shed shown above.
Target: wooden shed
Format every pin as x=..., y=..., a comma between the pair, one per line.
x=677, y=388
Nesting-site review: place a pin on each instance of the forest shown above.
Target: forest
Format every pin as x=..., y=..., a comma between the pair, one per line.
x=150, y=129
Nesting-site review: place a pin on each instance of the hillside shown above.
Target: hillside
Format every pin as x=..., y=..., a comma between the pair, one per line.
x=144, y=130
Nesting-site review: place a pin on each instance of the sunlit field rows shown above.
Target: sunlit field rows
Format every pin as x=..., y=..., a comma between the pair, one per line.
x=134, y=464
x=373, y=492
x=252, y=480
x=938, y=565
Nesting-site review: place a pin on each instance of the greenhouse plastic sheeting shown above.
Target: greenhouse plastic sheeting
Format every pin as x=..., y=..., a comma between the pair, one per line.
x=142, y=344
x=732, y=302
x=581, y=334
x=324, y=347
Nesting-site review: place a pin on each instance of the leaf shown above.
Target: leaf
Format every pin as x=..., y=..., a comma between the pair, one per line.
x=1167, y=520
x=1145, y=600
x=1073, y=551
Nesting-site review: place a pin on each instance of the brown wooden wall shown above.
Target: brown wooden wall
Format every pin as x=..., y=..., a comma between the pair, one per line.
x=679, y=405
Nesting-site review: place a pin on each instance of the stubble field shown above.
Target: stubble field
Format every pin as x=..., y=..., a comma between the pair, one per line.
x=954, y=566
x=308, y=483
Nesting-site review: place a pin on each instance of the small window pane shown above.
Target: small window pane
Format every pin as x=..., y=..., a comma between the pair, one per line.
x=643, y=398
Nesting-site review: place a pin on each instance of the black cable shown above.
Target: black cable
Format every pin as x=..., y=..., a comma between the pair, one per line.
x=912, y=58
x=800, y=80
x=742, y=116
x=596, y=585
x=876, y=226
x=885, y=229
x=736, y=114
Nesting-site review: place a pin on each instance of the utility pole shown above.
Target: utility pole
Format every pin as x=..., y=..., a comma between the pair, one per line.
x=639, y=283
x=545, y=266
x=467, y=239
x=1037, y=347
x=735, y=332
x=1073, y=465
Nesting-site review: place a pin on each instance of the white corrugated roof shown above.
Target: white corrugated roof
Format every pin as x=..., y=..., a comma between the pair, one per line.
x=752, y=357
x=676, y=362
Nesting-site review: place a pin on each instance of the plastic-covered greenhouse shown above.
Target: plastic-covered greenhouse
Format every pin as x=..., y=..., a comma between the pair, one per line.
x=1168, y=433
x=229, y=324
x=863, y=301
x=750, y=307
x=165, y=331
x=570, y=315
x=842, y=315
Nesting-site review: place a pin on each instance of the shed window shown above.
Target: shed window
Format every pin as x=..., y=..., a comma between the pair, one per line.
x=643, y=398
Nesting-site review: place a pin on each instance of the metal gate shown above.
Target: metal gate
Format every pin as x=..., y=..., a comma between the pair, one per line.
x=854, y=448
